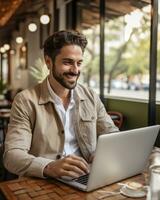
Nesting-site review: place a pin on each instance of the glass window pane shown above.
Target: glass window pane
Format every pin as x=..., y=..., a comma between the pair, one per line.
x=127, y=48
x=88, y=23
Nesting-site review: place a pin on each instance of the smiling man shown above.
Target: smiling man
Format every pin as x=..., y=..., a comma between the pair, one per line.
x=54, y=126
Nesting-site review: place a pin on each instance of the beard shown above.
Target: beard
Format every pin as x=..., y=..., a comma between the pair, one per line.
x=60, y=78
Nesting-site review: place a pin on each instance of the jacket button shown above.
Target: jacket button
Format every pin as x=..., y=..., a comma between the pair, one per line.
x=92, y=117
x=62, y=131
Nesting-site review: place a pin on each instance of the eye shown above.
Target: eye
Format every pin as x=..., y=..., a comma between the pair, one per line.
x=67, y=62
x=79, y=63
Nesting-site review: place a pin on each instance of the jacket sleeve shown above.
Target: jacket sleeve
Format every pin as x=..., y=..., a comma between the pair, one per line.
x=104, y=121
x=18, y=141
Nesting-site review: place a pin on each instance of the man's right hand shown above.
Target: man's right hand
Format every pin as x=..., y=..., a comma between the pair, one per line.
x=72, y=166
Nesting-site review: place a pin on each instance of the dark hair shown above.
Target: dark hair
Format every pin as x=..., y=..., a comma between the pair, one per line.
x=55, y=42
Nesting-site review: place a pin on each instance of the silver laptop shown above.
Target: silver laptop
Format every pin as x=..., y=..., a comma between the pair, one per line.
x=118, y=156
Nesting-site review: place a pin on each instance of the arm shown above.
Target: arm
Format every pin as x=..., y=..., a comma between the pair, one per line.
x=17, y=158
x=104, y=121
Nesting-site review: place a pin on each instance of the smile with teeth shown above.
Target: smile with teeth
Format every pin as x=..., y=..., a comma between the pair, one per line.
x=71, y=76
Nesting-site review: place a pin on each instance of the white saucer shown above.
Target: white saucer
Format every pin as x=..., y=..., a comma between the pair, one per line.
x=134, y=193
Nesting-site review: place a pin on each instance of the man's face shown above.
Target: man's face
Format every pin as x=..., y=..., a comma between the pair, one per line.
x=66, y=68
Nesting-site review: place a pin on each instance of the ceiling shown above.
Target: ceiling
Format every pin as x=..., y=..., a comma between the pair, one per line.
x=113, y=8
x=7, y=9
x=123, y=7
x=14, y=11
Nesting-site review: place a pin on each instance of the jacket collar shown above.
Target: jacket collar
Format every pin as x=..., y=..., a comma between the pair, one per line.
x=45, y=96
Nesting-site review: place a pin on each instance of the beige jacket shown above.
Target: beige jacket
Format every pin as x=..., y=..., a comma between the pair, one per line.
x=36, y=135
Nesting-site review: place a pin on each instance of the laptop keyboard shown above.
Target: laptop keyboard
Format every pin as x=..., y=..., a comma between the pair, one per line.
x=82, y=179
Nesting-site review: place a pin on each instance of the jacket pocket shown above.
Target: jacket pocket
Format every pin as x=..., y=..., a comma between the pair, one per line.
x=87, y=127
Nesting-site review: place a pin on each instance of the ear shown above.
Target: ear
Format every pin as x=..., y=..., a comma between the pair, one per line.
x=48, y=61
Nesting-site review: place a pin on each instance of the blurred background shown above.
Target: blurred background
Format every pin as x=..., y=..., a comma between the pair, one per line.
x=121, y=62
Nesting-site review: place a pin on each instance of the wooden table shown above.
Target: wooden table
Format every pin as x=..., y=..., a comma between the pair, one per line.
x=39, y=189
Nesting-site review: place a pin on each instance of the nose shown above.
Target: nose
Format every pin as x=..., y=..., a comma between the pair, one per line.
x=75, y=68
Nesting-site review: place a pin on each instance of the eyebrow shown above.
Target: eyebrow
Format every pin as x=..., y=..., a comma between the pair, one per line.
x=70, y=59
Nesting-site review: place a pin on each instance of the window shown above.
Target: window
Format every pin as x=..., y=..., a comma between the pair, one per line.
x=88, y=23
x=127, y=48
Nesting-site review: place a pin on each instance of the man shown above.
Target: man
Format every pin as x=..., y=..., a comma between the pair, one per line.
x=54, y=126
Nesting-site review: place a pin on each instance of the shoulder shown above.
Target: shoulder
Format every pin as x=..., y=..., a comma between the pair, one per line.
x=87, y=94
x=28, y=97
x=85, y=91
x=29, y=93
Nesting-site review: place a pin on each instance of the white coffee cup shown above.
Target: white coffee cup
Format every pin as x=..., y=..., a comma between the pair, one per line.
x=134, y=187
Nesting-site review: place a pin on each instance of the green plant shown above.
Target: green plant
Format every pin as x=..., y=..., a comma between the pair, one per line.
x=39, y=71
x=2, y=87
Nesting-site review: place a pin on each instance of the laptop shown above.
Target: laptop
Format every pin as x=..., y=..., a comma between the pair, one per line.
x=118, y=156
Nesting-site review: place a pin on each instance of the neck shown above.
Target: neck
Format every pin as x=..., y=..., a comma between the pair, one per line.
x=62, y=92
